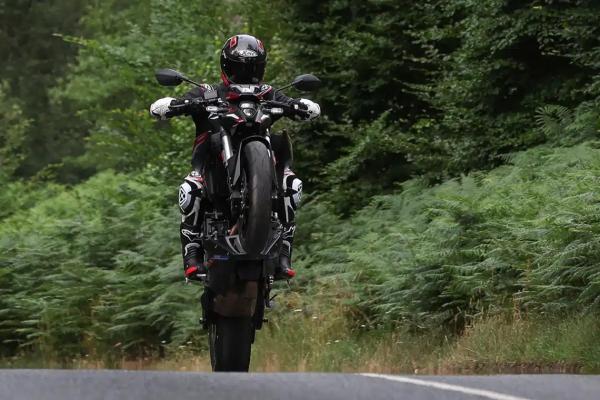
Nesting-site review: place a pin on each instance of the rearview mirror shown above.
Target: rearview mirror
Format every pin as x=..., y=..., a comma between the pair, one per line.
x=168, y=77
x=306, y=83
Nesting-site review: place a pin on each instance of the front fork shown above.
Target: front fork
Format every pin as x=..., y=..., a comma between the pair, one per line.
x=227, y=153
x=232, y=165
x=229, y=163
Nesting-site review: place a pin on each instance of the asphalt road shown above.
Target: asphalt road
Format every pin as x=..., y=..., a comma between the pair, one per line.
x=150, y=385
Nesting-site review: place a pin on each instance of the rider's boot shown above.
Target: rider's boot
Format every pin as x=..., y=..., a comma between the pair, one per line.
x=285, y=270
x=292, y=194
x=190, y=201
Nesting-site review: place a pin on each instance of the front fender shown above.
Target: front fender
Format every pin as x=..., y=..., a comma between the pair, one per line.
x=237, y=169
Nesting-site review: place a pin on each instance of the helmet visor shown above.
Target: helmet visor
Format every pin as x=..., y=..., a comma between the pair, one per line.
x=246, y=72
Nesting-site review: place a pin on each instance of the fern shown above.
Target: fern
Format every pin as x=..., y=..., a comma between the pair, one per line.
x=552, y=120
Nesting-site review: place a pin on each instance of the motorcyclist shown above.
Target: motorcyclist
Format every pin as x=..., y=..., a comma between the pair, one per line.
x=243, y=61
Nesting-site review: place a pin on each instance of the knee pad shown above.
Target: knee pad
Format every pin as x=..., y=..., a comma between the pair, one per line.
x=190, y=197
x=292, y=189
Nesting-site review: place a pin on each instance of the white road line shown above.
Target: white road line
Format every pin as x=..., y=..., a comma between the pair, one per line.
x=445, y=386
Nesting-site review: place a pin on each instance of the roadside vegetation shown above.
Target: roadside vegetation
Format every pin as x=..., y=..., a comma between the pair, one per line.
x=451, y=221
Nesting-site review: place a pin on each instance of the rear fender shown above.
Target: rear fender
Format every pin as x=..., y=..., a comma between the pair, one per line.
x=234, y=285
x=239, y=301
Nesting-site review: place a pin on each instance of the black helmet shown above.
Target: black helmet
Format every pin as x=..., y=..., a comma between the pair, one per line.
x=243, y=60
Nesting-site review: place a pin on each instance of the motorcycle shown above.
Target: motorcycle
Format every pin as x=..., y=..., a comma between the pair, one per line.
x=241, y=231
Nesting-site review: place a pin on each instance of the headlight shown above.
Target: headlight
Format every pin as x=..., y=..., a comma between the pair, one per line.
x=249, y=109
x=248, y=112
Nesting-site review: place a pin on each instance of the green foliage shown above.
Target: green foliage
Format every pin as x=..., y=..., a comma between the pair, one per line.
x=368, y=56
x=13, y=127
x=522, y=236
x=510, y=58
x=567, y=127
x=94, y=270
x=113, y=81
x=413, y=94
x=461, y=81
x=33, y=61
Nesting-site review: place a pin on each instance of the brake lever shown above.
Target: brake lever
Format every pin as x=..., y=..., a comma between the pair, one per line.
x=199, y=102
x=217, y=109
x=275, y=107
x=275, y=110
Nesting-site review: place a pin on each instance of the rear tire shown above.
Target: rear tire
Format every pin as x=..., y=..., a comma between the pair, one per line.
x=231, y=343
x=258, y=168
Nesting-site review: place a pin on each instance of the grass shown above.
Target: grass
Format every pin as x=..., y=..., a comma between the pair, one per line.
x=499, y=344
x=298, y=341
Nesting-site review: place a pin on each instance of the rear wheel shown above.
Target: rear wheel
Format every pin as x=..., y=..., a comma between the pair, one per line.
x=256, y=216
x=231, y=343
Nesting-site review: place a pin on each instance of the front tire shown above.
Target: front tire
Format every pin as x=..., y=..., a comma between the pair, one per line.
x=257, y=215
x=230, y=342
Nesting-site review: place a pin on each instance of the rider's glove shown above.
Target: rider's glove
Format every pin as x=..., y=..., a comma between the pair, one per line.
x=160, y=108
x=169, y=107
x=305, y=110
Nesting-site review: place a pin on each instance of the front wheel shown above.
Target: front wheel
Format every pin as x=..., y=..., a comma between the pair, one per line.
x=230, y=340
x=256, y=216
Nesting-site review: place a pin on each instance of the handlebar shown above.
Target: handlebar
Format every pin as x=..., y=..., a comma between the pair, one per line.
x=273, y=103
x=219, y=106
x=195, y=103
